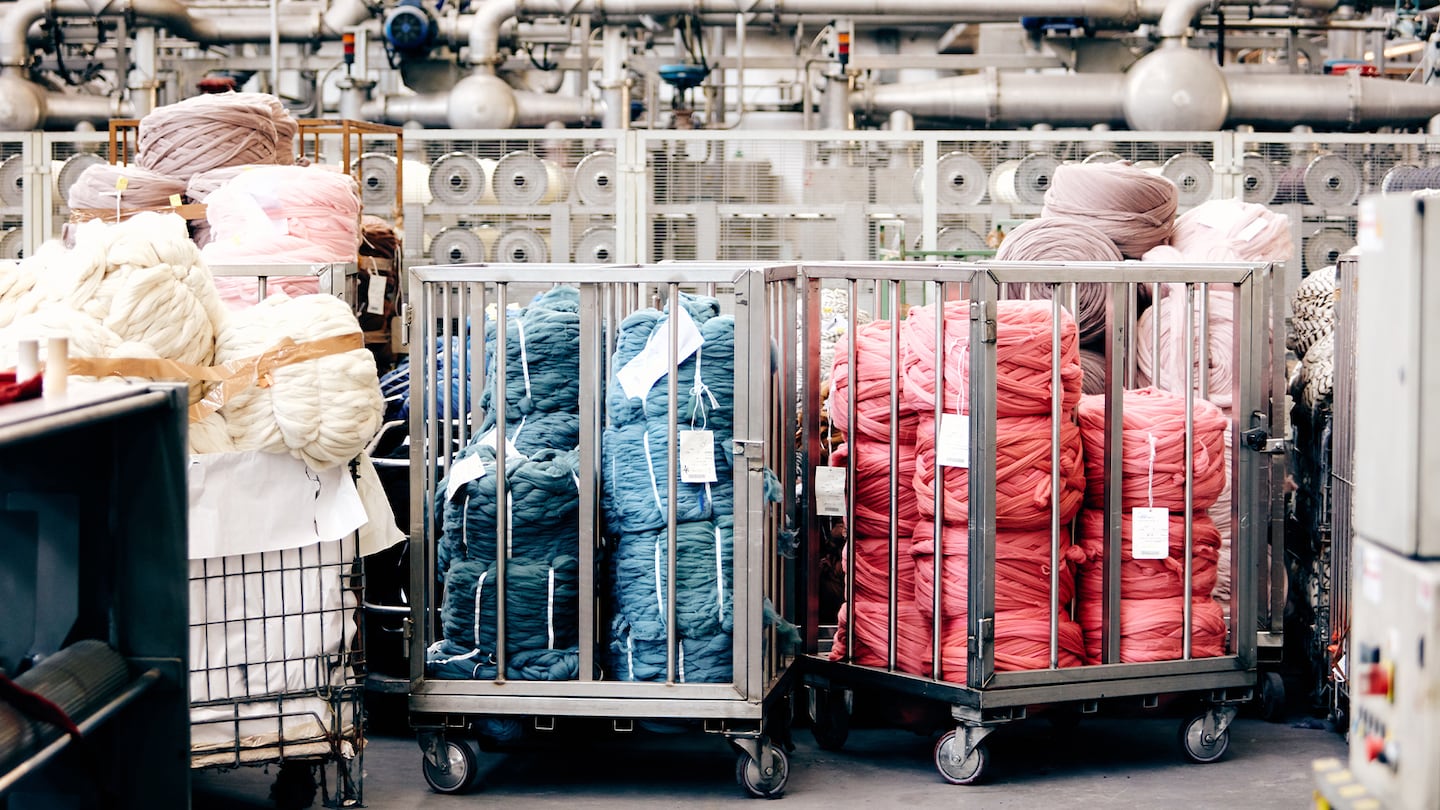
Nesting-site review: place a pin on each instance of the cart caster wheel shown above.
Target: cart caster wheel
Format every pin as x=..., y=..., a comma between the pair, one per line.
x=970, y=771
x=294, y=787
x=831, y=724
x=1272, y=697
x=464, y=771
x=756, y=782
x=1198, y=746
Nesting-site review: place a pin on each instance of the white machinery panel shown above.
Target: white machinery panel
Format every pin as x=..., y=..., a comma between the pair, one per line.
x=1395, y=678
x=1397, y=400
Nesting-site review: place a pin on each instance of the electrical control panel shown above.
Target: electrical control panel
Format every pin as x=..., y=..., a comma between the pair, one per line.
x=1395, y=678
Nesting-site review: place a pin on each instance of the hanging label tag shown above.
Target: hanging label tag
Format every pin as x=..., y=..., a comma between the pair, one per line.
x=174, y=200
x=488, y=440
x=697, y=456
x=952, y=444
x=375, y=296
x=121, y=183
x=1150, y=533
x=830, y=491
x=1251, y=231
x=652, y=363
x=463, y=471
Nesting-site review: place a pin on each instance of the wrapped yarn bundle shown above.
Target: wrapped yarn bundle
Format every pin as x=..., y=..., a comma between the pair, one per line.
x=275, y=214
x=1313, y=306
x=16, y=298
x=322, y=410
x=1232, y=231
x=1153, y=450
x=1168, y=370
x=1135, y=208
x=215, y=130
x=1062, y=239
x=98, y=187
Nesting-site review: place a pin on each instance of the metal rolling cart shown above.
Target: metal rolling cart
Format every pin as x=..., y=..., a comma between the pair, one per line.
x=750, y=707
x=988, y=697
x=278, y=668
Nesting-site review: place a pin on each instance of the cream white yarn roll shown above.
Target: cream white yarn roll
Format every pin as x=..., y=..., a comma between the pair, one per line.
x=70, y=170
x=596, y=179
x=16, y=283
x=459, y=178
x=522, y=178
x=521, y=244
x=12, y=181
x=457, y=245
x=596, y=245
x=322, y=411
x=210, y=435
x=12, y=244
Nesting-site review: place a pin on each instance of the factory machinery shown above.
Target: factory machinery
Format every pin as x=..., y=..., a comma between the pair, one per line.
x=553, y=130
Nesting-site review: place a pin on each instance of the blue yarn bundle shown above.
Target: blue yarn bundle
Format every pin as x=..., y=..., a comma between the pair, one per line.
x=543, y=494
x=395, y=384
x=540, y=605
x=635, y=497
x=542, y=372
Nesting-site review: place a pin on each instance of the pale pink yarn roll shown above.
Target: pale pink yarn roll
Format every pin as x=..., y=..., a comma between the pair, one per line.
x=1171, y=373
x=278, y=214
x=1134, y=208
x=1233, y=231
x=1059, y=239
x=209, y=131
x=96, y=187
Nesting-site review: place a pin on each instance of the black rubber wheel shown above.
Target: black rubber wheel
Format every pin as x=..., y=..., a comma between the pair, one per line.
x=757, y=783
x=1272, y=697
x=294, y=787
x=464, y=773
x=831, y=724
x=1198, y=747
x=969, y=772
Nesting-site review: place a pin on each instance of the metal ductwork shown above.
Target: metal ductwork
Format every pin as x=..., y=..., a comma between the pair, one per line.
x=482, y=101
x=1337, y=101
x=992, y=98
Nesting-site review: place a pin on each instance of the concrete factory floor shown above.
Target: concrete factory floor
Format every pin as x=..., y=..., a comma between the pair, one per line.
x=1102, y=763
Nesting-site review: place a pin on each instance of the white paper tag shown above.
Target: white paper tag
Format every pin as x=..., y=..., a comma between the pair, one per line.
x=1150, y=533
x=375, y=297
x=830, y=491
x=1251, y=231
x=488, y=440
x=697, y=456
x=952, y=445
x=462, y=472
x=652, y=363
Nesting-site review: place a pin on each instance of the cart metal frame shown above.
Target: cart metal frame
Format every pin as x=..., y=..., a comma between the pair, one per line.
x=989, y=698
x=446, y=303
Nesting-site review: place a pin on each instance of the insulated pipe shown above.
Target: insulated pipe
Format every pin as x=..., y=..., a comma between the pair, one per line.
x=612, y=77
x=1175, y=20
x=1005, y=99
x=481, y=102
x=179, y=20
x=68, y=110
x=1348, y=100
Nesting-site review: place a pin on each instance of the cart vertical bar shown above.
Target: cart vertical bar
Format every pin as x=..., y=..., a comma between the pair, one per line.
x=812, y=454
x=893, y=290
x=981, y=632
x=592, y=349
x=937, y=588
x=672, y=481
x=1188, y=608
x=1057, y=402
x=1120, y=344
x=502, y=494
x=850, y=480
x=752, y=353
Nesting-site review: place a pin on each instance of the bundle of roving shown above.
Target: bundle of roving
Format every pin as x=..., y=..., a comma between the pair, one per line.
x=1313, y=308
x=1152, y=629
x=872, y=488
x=1062, y=239
x=871, y=386
x=202, y=184
x=322, y=410
x=1093, y=364
x=1170, y=373
x=1318, y=371
x=871, y=627
x=704, y=584
x=635, y=488
x=1134, y=208
x=1232, y=231
x=16, y=298
x=705, y=381
x=396, y=388
x=834, y=323
x=210, y=131
x=277, y=214
x=99, y=187
x=1022, y=569
x=708, y=659
x=542, y=373
x=1023, y=369
x=1153, y=450
x=541, y=605
x=1149, y=578
x=542, y=491
x=1022, y=474
x=872, y=568
x=448, y=660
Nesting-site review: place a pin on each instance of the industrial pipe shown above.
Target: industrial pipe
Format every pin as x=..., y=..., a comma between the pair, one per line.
x=1346, y=101
x=1004, y=99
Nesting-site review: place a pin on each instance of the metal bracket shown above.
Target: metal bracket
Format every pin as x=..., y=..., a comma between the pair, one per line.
x=431, y=744
x=1258, y=439
x=971, y=737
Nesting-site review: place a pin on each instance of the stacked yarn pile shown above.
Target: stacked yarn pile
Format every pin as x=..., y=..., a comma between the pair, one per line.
x=1023, y=504
x=869, y=538
x=636, y=496
x=1152, y=599
x=541, y=372
x=1313, y=336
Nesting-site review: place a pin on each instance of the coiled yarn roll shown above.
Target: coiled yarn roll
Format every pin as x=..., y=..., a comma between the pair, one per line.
x=703, y=580
x=16, y=298
x=872, y=483
x=1022, y=569
x=872, y=568
x=210, y=131
x=1151, y=579
x=1153, y=629
x=1313, y=306
x=1168, y=371
x=1134, y=208
x=541, y=605
x=912, y=637
x=707, y=659
x=1232, y=231
x=705, y=390
x=1093, y=364
x=322, y=411
x=542, y=493
x=1022, y=474
x=872, y=387
x=1062, y=239
x=1154, y=422
x=276, y=214
x=96, y=187
x=1022, y=358
x=635, y=487
x=542, y=377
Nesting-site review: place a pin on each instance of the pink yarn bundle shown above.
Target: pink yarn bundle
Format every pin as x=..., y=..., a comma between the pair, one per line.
x=1022, y=474
x=1134, y=208
x=98, y=187
x=1022, y=358
x=1061, y=239
x=1152, y=629
x=1232, y=231
x=1152, y=445
x=1150, y=579
x=872, y=569
x=872, y=483
x=1022, y=569
x=214, y=130
x=912, y=638
x=1170, y=373
x=872, y=385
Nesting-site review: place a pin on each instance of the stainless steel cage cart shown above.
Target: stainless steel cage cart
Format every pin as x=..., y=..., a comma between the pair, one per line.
x=990, y=692
x=741, y=699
